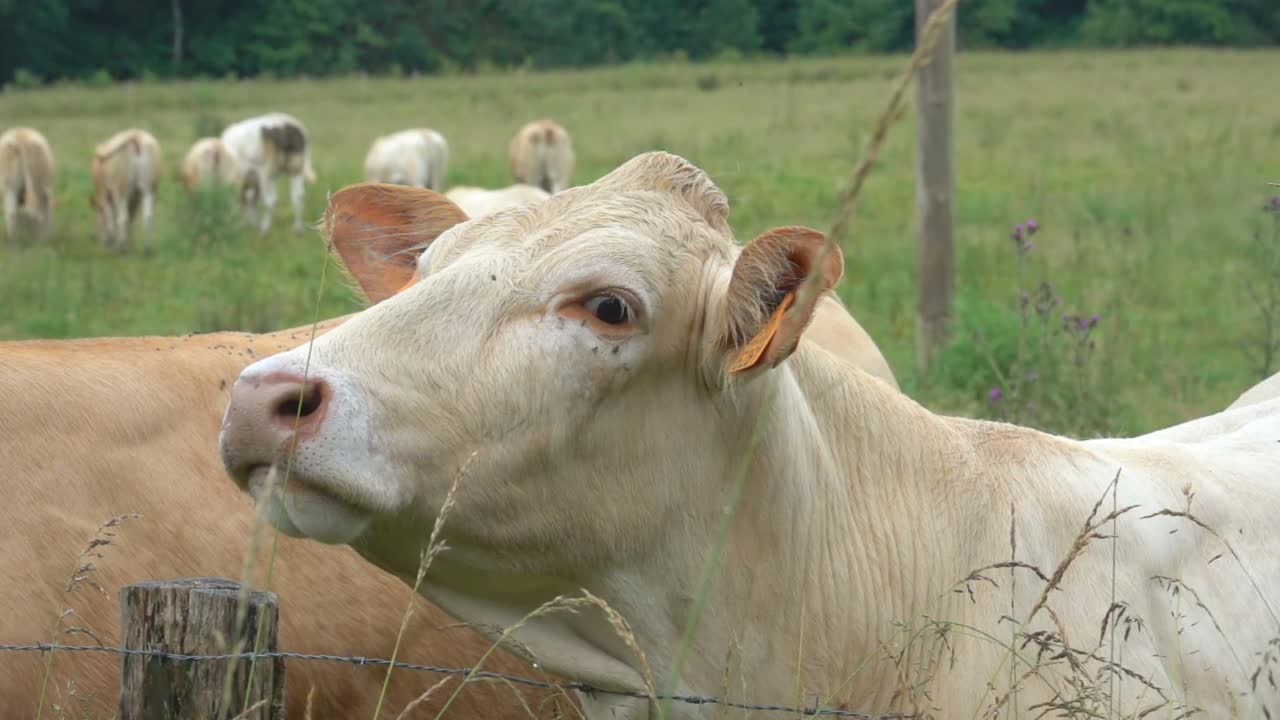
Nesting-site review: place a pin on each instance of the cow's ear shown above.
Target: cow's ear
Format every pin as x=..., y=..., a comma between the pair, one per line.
x=379, y=230
x=775, y=286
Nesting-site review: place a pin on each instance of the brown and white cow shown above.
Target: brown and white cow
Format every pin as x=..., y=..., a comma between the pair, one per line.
x=418, y=157
x=267, y=147
x=541, y=154
x=478, y=202
x=208, y=164
x=97, y=428
x=126, y=173
x=26, y=182
x=613, y=371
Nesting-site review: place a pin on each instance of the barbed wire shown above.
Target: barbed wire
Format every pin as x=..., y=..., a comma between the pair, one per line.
x=582, y=687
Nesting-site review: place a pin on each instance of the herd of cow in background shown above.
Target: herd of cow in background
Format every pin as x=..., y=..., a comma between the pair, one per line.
x=252, y=156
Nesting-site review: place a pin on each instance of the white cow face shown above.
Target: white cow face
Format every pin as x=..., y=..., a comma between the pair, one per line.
x=581, y=357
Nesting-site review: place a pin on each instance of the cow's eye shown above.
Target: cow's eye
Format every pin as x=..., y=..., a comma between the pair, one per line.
x=609, y=308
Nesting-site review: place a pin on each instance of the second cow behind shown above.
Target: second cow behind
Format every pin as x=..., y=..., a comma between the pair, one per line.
x=267, y=147
x=541, y=154
x=418, y=157
x=126, y=171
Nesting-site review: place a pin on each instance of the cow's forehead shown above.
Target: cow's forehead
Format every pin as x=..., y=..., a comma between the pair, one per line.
x=649, y=233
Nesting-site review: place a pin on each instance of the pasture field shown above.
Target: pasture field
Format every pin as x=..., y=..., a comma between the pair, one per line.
x=1146, y=171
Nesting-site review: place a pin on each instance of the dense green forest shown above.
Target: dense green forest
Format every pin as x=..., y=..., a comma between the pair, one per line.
x=43, y=40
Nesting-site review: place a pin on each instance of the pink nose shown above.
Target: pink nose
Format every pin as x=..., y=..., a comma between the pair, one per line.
x=263, y=415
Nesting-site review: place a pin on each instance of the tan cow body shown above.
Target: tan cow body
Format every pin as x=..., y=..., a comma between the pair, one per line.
x=541, y=154
x=92, y=429
x=478, y=202
x=267, y=147
x=417, y=157
x=26, y=182
x=208, y=163
x=602, y=363
x=126, y=173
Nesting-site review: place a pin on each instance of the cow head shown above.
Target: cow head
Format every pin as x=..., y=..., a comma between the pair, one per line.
x=588, y=360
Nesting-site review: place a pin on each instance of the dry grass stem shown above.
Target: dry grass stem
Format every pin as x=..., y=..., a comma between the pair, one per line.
x=255, y=538
x=413, y=705
x=434, y=547
x=928, y=39
x=82, y=574
x=243, y=714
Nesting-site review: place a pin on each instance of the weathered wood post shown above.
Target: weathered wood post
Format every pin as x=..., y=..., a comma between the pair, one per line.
x=197, y=616
x=934, y=254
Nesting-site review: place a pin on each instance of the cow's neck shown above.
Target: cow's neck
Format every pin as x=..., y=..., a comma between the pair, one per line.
x=848, y=476
x=826, y=539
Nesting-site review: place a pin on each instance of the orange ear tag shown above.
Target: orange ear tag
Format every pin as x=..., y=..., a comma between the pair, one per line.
x=750, y=353
x=407, y=285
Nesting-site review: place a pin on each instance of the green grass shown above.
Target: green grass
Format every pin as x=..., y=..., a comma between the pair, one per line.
x=1145, y=169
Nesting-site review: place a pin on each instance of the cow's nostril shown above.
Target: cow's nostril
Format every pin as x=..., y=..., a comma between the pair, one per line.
x=303, y=403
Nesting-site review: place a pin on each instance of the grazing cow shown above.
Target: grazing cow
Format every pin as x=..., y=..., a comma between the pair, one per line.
x=541, y=154
x=600, y=368
x=96, y=428
x=208, y=163
x=267, y=147
x=26, y=182
x=478, y=202
x=418, y=157
x=126, y=171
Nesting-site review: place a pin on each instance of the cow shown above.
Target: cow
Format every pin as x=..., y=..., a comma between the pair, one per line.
x=126, y=174
x=541, y=154
x=26, y=182
x=478, y=202
x=267, y=147
x=615, y=388
x=208, y=164
x=417, y=157
x=95, y=429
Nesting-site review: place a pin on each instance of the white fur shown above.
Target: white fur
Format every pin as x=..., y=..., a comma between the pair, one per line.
x=418, y=157
x=478, y=202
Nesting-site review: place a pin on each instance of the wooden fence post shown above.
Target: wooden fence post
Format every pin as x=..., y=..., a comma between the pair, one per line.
x=934, y=178
x=197, y=616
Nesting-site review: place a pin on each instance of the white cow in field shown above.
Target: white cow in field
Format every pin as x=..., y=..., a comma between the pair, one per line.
x=267, y=147
x=126, y=173
x=26, y=182
x=605, y=373
x=541, y=154
x=418, y=157
x=478, y=202
x=209, y=163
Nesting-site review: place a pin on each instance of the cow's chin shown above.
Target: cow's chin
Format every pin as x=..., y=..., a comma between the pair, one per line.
x=304, y=512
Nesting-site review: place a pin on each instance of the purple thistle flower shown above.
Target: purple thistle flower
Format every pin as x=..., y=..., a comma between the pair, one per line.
x=1093, y=321
x=994, y=394
x=1017, y=233
x=1028, y=246
x=1081, y=323
x=1032, y=227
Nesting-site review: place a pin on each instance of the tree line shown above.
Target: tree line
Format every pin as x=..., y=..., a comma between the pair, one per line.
x=43, y=40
